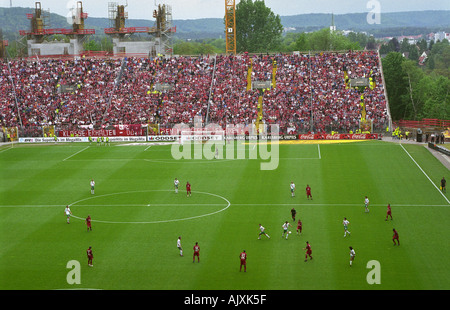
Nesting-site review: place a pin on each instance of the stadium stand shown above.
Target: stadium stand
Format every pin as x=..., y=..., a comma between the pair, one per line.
x=73, y=93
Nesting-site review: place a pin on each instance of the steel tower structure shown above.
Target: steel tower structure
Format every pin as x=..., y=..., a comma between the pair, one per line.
x=230, y=26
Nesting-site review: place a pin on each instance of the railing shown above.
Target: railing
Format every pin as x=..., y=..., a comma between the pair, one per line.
x=56, y=31
x=427, y=122
x=130, y=30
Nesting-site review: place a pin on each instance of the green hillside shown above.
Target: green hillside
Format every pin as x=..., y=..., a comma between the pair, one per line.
x=14, y=19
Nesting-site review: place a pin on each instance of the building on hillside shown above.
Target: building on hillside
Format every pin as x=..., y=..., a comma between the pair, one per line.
x=439, y=36
x=423, y=58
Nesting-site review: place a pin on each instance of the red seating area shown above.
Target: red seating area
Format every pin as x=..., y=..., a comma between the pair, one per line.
x=302, y=83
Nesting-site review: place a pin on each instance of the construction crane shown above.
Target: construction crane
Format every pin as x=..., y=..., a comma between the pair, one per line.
x=230, y=26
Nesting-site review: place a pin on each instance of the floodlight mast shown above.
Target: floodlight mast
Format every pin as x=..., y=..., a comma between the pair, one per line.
x=230, y=26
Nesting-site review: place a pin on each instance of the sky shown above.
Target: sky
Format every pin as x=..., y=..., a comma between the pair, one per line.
x=195, y=9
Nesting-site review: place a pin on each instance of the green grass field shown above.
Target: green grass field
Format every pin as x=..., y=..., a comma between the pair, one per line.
x=137, y=218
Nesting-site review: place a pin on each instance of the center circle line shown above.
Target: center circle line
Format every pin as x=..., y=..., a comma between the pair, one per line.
x=152, y=222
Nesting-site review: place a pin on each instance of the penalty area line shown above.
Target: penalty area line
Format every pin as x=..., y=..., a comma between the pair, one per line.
x=75, y=153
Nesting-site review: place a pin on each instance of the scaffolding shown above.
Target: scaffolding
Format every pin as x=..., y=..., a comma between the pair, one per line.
x=3, y=45
x=164, y=27
x=37, y=42
x=162, y=31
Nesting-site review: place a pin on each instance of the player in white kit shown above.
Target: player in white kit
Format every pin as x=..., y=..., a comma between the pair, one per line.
x=175, y=184
x=352, y=255
x=92, y=186
x=262, y=232
x=68, y=213
x=285, y=229
x=179, y=246
x=366, y=204
x=345, y=222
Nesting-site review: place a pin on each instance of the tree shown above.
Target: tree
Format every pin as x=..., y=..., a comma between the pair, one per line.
x=404, y=46
x=371, y=43
x=437, y=99
x=440, y=55
x=91, y=45
x=325, y=40
x=396, y=85
x=393, y=45
x=413, y=93
x=422, y=44
x=302, y=43
x=413, y=53
x=258, y=29
x=194, y=48
x=414, y=96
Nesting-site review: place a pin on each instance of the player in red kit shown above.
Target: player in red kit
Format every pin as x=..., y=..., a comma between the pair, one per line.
x=88, y=223
x=90, y=256
x=196, y=252
x=389, y=212
x=395, y=237
x=308, y=251
x=308, y=192
x=299, y=227
x=243, y=258
x=188, y=189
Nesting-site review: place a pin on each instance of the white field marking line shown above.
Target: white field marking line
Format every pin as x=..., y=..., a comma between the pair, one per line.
x=76, y=153
x=148, y=147
x=189, y=161
x=152, y=222
x=318, y=148
x=6, y=149
x=184, y=160
x=333, y=204
x=425, y=174
x=208, y=161
x=222, y=204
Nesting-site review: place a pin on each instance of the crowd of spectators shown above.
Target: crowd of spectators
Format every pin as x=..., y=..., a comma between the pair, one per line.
x=174, y=90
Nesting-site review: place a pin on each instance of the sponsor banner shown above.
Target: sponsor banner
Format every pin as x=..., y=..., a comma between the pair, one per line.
x=163, y=138
x=201, y=137
x=82, y=139
x=339, y=136
x=185, y=137
x=261, y=137
x=118, y=131
x=128, y=139
x=287, y=137
x=52, y=140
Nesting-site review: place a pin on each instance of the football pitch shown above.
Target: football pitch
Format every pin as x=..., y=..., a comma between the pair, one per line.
x=137, y=218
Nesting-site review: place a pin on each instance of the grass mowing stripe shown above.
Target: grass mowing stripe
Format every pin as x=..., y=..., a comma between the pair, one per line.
x=145, y=256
